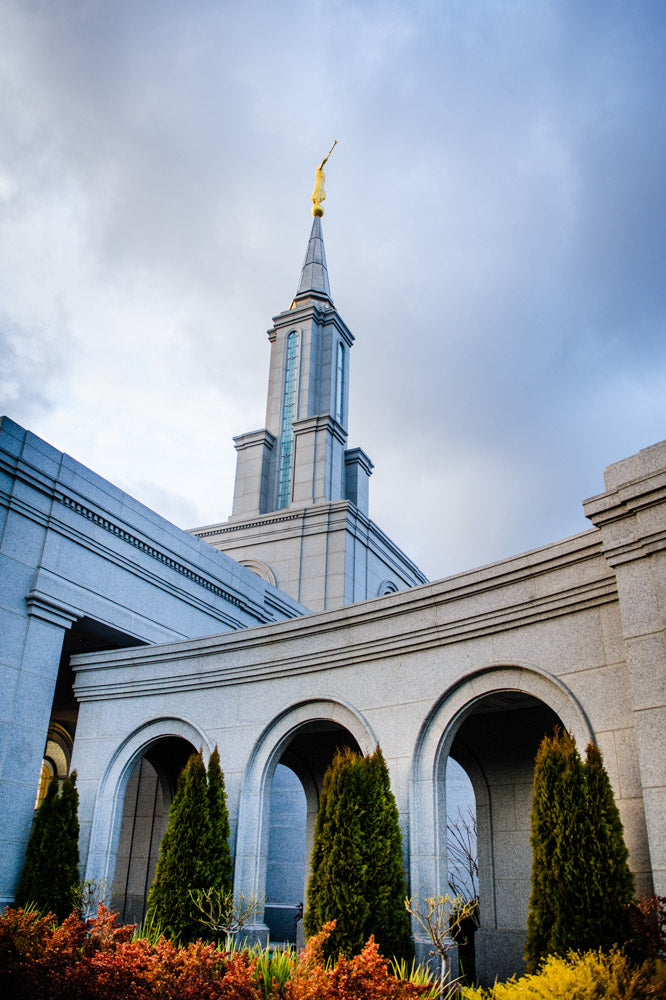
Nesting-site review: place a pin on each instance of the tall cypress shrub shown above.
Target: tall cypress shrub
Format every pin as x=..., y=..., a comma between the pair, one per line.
x=357, y=878
x=581, y=884
x=219, y=853
x=386, y=887
x=194, y=853
x=50, y=876
x=182, y=863
x=338, y=875
x=610, y=881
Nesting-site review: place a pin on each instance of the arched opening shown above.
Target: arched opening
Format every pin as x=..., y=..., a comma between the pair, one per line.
x=462, y=859
x=491, y=722
x=496, y=741
x=303, y=738
x=148, y=796
x=294, y=801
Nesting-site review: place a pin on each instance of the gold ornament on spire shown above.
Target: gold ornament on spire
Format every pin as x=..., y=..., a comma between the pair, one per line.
x=318, y=194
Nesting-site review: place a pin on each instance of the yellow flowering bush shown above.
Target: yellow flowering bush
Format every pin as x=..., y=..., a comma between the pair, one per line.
x=594, y=975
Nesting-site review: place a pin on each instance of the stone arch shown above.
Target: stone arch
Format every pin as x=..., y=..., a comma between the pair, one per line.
x=110, y=797
x=260, y=569
x=271, y=745
x=495, y=691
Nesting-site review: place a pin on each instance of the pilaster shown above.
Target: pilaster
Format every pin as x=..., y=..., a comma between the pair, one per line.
x=28, y=691
x=631, y=516
x=358, y=469
x=318, y=474
x=254, y=472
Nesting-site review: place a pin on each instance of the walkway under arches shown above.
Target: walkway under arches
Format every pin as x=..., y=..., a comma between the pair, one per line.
x=303, y=739
x=492, y=723
x=132, y=806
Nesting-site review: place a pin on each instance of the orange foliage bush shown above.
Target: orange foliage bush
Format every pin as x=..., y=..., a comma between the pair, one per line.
x=363, y=977
x=98, y=960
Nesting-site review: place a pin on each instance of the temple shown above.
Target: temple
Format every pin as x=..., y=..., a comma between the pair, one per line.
x=297, y=627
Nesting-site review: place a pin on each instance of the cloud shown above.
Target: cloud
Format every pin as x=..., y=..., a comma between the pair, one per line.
x=494, y=229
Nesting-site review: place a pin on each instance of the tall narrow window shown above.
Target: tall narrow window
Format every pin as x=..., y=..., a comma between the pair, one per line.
x=340, y=384
x=288, y=414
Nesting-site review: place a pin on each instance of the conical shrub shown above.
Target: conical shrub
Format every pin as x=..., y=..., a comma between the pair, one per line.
x=182, y=863
x=50, y=876
x=357, y=876
x=581, y=883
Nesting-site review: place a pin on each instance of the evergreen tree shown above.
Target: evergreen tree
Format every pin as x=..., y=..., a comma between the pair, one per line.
x=51, y=875
x=610, y=881
x=219, y=853
x=36, y=855
x=183, y=861
x=357, y=878
x=386, y=887
x=581, y=885
x=338, y=876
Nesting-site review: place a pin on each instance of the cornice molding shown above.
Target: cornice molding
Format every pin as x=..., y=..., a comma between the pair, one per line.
x=320, y=422
x=48, y=487
x=47, y=609
x=253, y=439
x=372, y=630
x=623, y=516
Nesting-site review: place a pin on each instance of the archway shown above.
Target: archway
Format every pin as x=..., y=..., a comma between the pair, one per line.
x=500, y=734
x=294, y=803
x=148, y=796
x=163, y=745
x=279, y=803
x=492, y=723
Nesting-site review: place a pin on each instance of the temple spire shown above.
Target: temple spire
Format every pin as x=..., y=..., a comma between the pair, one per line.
x=314, y=276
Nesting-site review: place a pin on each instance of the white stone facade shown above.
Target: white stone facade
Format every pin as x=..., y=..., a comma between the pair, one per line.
x=478, y=666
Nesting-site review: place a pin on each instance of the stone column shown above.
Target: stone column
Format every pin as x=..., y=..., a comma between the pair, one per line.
x=28, y=691
x=631, y=516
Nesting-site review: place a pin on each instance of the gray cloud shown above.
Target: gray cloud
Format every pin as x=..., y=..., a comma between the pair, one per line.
x=494, y=230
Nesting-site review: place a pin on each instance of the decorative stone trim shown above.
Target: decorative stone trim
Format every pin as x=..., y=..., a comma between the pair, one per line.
x=48, y=610
x=150, y=550
x=222, y=529
x=327, y=654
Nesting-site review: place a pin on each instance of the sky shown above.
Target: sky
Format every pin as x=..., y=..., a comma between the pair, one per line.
x=495, y=231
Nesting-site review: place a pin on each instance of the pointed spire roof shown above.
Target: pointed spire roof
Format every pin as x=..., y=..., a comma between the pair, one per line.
x=314, y=276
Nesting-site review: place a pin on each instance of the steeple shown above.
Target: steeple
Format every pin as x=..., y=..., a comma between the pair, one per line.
x=314, y=276
x=300, y=510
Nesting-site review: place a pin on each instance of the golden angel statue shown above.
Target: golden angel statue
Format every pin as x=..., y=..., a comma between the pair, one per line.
x=318, y=194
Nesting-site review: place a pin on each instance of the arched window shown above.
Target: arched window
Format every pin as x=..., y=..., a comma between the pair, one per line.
x=288, y=414
x=340, y=383
x=57, y=756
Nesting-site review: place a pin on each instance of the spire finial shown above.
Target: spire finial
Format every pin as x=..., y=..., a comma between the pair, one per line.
x=318, y=195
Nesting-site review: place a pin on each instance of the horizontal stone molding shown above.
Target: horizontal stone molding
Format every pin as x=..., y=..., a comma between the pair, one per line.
x=152, y=551
x=306, y=309
x=390, y=633
x=324, y=518
x=253, y=439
